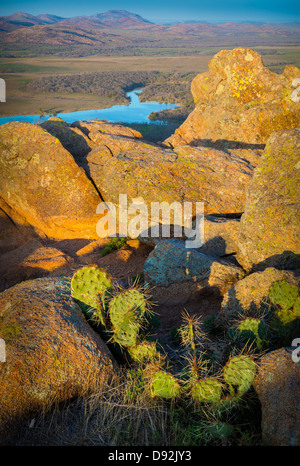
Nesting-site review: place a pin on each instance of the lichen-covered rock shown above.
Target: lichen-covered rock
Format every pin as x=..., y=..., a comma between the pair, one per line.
x=220, y=235
x=177, y=274
x=277, y=385
x=270, y=225
x=144, y=171
x=52, y=354
x=72, y=139
x=239, y=100
x=43, y=185
x=249, y=296
x=104, y=127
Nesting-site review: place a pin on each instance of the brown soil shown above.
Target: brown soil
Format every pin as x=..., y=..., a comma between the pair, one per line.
x=123, y=265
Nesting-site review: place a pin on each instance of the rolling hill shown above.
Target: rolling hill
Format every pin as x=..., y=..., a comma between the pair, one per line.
x=119, y=32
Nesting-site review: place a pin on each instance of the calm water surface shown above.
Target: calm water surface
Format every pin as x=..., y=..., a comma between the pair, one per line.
x=134, y=112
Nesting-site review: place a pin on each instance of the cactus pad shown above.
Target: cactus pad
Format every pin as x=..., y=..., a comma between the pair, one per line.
x=126, y=310
x=91, y=287
x=254, y=329
x=207, y=390
x=283, y=294
x=144, y=352
x=239, y=372
x=164, y=385
x=219, y=430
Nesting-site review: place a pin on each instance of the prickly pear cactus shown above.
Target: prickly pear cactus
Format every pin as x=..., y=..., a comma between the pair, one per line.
x=219, y=430
x=239, y=373
x=164, y=385
x=91, y=287
x=254, y=329
x=207, y=390
x=126, y=310
x=286, y=322
x=283, y=294
x=144, y=352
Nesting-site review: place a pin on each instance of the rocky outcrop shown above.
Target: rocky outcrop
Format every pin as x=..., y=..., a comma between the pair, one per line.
x=249, y=296
x=80, y=137
x=270, y=225
x=95, y=126
x=177, y=274
x=153, y=174
x=239, y=101
x=277, y=384
x=220, y=235
x=41, y=185
x=52, y=354
x=72, y=139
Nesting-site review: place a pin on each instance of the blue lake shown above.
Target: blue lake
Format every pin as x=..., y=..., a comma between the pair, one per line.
x=134, y=112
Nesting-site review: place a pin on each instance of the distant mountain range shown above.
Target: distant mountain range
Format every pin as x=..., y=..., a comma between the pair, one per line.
x=122, y=32
x=111, y=18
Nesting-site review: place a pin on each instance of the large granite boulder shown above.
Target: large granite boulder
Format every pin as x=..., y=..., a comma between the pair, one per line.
x=277, y=385
x=270, y=225
x=72, y=139
x=80, y=137
x=41, y=183
x=239, y=101
x=52, y=354
x=149, y=174
x=249, y=296
x=98, y=126
x=176, y=274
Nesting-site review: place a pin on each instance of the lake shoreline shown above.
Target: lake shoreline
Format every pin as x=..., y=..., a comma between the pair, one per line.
x=132, y=112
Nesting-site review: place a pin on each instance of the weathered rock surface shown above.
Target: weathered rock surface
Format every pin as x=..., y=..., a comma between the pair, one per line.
x=43, y=185
x=52, y=354
x=239, y=100
x=31, y=260
x=220, y=235
x=270, y=225
x=277, y=385
x=80, y=137
x=178, y=274
x=94, y=126
x=152, y=174
x=11, y=235
x=249, y=296
x=72, y=139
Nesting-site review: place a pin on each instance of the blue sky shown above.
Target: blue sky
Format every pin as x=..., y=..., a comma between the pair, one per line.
x=165, y=11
